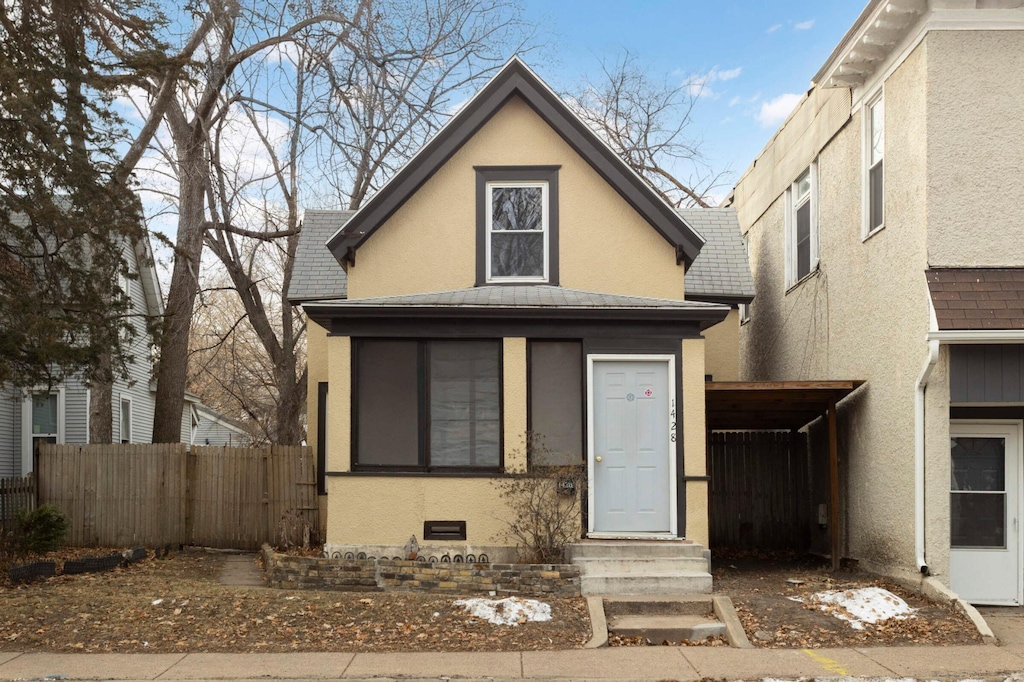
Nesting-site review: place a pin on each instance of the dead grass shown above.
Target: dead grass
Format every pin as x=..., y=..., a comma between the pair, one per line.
x=177, y=605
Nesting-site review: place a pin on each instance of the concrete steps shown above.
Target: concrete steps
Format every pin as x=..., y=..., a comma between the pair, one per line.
x=664, y=618
x=639, y=567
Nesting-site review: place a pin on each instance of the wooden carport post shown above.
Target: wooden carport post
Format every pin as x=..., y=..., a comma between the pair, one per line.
x=833, y=465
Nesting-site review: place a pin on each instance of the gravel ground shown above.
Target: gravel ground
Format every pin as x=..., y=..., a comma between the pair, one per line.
x=760, y=585
x=177, y=605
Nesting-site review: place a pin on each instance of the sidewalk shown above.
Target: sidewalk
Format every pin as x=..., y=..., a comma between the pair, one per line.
x=625, y=663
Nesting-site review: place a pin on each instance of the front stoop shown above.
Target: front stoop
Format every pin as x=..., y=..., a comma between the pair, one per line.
x=637, y=567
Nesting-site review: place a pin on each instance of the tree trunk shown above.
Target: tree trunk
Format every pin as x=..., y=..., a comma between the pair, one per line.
x=101, y=404
x=172, y=372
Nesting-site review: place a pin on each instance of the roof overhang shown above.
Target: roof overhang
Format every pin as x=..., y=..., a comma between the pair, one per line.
x=880, y=27
x=768, y=405
x=516, y=79
x=982, y=336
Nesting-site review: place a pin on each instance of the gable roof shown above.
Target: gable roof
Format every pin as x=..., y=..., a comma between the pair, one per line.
x=318, y=275
x=516, y=79
x=721, y=273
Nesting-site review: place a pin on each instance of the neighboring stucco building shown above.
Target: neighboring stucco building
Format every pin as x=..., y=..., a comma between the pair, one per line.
x=885, y=225
x=514, y=277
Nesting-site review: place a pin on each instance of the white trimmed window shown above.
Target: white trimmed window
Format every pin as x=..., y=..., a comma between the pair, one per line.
x=874, y=165
x=802, y=226
x=517, y=232
x=126, y=420
x=42, y=421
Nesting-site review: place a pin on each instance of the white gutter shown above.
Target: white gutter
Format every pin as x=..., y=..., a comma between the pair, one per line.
x=977, y=336
x=919, y=452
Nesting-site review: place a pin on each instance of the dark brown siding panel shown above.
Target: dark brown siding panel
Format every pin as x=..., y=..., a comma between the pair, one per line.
x=989, y=373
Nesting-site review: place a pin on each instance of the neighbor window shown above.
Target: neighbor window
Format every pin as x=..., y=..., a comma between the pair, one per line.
x=802, y=226
x=42, y=421
x=745, y=307
x=517, y=225
x=874, y=182
x=428, y=405
x=126, y=420
x=556, y=403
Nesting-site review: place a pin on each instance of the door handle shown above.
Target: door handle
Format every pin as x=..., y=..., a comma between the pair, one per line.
x=597, y=459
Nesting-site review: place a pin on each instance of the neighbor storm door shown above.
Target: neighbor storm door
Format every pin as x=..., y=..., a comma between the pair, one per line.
x=631, y=445
x=984, y=509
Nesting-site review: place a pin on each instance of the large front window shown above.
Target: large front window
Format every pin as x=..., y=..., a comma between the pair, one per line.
x=517, y=231
x=427, y=405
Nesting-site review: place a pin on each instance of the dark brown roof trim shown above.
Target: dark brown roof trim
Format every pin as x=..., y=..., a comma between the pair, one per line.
x=549, y=322
x=732, y=300
x=516, y=78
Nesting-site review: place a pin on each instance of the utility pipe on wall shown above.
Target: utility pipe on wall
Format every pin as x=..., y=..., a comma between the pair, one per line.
x=919, y=453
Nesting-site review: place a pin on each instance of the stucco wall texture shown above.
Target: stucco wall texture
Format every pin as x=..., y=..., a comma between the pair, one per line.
x=429, y=244
x=975, y=152
x=863, y=315
x=721, y=350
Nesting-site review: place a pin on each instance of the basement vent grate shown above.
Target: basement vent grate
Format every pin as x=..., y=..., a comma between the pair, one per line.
x=444, y=530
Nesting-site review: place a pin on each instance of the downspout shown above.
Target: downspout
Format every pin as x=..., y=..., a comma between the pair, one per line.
x=920, y=389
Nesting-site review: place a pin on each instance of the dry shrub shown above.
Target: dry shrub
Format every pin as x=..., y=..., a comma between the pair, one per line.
x=546, y=505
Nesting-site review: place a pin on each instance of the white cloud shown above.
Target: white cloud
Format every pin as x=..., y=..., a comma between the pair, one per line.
x=773, y=28
x=804, y=25
x=735, y=100
x=775, y=111
x=729, y=74
x=699, y=85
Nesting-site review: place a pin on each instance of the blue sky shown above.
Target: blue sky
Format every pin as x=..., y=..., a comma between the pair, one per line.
x=761, y=55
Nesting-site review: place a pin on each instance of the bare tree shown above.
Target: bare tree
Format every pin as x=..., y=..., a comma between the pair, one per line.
x=646, y=121
x=354, y=116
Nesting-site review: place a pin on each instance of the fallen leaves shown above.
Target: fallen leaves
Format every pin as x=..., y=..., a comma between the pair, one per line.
x=177, y=604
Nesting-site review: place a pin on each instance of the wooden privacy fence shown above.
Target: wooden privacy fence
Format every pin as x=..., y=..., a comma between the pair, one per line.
x=16, y=493
x=760, y=490
x=120, y=495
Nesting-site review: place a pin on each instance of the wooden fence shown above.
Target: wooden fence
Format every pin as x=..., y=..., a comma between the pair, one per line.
x=760, y=490
x=16, y=493
x=121, y=495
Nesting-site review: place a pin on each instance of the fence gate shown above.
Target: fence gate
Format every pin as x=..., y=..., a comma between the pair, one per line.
x=760, y=490
x=122, y=495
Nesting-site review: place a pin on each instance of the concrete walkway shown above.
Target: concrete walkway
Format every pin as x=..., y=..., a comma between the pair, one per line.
x=240, y=570
x=627, y=663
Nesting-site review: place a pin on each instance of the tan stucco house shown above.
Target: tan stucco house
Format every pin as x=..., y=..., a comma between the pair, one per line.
x=885, y=226
x=514, y=277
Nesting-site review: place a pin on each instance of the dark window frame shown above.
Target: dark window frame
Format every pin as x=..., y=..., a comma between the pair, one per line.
x=423, y=412
x=321, y=437
x=487, y=174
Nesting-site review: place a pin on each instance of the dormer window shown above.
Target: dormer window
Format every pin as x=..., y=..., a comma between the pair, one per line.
x=517, y=225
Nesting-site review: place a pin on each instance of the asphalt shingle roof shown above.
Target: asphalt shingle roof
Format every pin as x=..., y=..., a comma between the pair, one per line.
x=317, y=275
x=977, y=298
x=521, y=296
x=721, y=270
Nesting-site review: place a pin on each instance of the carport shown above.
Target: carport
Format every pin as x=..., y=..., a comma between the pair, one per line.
x=784, y=406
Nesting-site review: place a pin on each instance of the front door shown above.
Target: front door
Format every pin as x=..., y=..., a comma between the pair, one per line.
x=984, y=506
x=631, y=462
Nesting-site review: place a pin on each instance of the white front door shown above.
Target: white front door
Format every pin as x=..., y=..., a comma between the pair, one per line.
x=984, y=510
x=631, y=466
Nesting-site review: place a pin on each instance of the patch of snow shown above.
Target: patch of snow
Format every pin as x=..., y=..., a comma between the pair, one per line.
x=158, y=602
x=862, y=605
x=509, y=611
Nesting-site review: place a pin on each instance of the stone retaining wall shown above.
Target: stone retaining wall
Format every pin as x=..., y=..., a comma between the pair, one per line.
x=389, y=575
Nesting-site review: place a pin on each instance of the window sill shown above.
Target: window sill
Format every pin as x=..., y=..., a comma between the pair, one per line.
x=516, y=282
x=812, y=274
x=872, y=233
x=391, y=473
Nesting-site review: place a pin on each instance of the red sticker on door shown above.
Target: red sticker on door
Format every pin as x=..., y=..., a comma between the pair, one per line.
x=648, y=393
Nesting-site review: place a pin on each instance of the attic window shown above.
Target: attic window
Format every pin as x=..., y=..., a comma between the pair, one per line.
x=517, y=225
